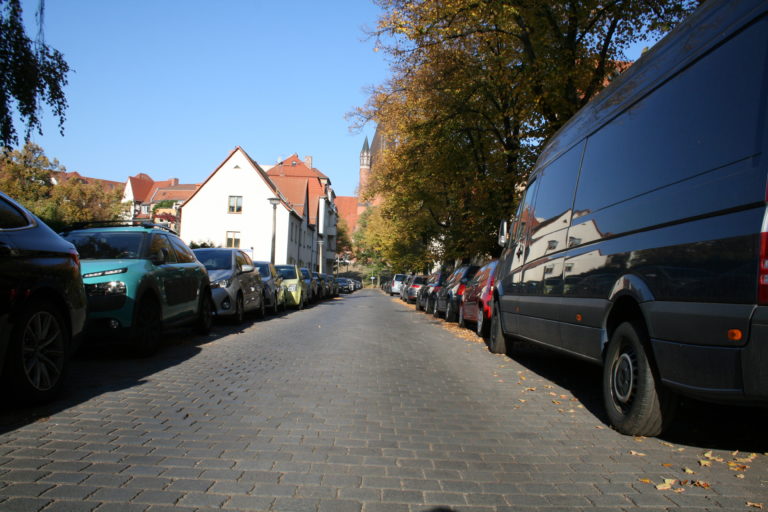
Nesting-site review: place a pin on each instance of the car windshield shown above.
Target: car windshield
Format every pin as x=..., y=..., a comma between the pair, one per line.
x=107, y=245
x=419, y=280
x=287, y=272
x=215, y=260
x=305, y=273
x=263, y=269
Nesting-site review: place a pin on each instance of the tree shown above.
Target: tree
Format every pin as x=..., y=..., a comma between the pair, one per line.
x=28, y=176
x=477, y=87
x=31, y=73
x=343, y=242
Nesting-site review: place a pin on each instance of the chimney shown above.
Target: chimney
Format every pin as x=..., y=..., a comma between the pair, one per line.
x=308, y=161
x=174, y=182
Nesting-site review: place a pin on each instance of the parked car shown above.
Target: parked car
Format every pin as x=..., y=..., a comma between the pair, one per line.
x=42, y=305
x=405, y=285
x=345, y=285
x=412, y=292
x=139, y=279
x=448, y=297
x=273, y=288
x=593, y=262
x=475, y=306
x=396, y=284
x=236, y=286
x=428, y=293
x=312, y=285
x=296, y=289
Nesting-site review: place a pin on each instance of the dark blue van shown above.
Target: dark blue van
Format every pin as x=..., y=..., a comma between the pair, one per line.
x=641, y=242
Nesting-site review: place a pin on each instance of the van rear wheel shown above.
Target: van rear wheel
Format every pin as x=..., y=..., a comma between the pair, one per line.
x=635, y=401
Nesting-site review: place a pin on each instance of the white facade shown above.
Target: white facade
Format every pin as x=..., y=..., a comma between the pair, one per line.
x=232, y=208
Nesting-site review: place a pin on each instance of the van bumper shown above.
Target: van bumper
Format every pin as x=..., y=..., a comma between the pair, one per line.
x=717, y=374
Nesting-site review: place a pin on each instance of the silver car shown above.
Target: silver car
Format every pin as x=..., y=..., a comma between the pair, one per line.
x=397, y=284
x=235, y=285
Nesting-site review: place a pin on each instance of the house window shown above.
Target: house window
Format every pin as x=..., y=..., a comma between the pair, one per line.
x=233, y=239
x=235, y=204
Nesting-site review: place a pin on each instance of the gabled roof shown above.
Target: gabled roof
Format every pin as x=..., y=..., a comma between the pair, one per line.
x=293, y=166
x=256, y=167
x=295, y=191
x=106, y=185
x=177, y=193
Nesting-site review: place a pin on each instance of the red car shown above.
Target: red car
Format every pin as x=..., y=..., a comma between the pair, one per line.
x=477, y=300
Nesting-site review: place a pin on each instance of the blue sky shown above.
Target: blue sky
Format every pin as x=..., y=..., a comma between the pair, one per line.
x=170, y=88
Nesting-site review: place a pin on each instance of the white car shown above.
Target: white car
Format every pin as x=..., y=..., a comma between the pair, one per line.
x=397, y=284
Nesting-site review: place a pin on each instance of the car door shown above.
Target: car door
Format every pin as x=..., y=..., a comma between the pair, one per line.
x=193, y=275
x=168, y=275
x=248, y=281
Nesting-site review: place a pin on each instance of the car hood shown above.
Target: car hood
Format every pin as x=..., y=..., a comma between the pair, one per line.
x=215, y=275
x=95, y=268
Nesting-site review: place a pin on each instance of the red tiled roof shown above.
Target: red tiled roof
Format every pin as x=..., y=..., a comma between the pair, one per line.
x=294, y=190
x=293, y=166
x=177, y=193
x=107, y=185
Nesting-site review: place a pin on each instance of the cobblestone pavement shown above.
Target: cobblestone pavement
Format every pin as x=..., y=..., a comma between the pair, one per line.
x=360, y=404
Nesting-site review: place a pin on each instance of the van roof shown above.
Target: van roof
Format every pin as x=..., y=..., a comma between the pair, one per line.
x=712, y=22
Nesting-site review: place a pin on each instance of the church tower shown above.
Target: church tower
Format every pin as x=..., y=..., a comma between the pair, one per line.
x=365, y=167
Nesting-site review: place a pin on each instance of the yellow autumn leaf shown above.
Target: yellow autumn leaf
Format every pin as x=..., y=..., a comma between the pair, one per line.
x=637, y=454
x=645, y=480
x=755, y=505
x=705, y=463
x=689, y=471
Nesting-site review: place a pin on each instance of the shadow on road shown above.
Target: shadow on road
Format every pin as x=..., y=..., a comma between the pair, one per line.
x=98, y=369
x=699, y=424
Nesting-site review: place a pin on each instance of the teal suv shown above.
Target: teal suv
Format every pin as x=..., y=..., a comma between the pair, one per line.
x=139, y=279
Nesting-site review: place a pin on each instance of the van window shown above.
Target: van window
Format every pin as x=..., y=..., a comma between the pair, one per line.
x=525, y=212
x=557, y=184
x=707, y=124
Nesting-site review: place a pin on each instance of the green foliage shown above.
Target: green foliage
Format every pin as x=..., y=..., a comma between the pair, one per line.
x=28, y=176
x=165, y=203
x=203, y=244
x=31, y=73
x=477, y=88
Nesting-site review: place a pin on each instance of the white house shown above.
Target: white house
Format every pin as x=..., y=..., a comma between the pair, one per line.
x=232, y=208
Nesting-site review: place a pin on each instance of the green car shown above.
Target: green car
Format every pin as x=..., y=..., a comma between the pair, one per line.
x=294, y=286
x=138, y=280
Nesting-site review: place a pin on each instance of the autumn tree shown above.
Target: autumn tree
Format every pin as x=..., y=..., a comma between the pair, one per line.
x=29, y=176
x=31, y=74
x=477, y=86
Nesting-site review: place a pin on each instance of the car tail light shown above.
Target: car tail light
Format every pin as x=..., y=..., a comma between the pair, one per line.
x=462, y=287
x=762, y=279
x=75, y=257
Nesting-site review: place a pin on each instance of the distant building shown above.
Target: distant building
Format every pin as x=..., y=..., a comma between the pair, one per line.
x=145, y=195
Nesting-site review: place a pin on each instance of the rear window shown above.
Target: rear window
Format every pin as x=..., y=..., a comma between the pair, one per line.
x=263, y=269
x=107, y=246
x=399, y=277
x=419, y=280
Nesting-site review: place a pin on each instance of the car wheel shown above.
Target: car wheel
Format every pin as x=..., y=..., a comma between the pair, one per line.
x=275, y=306
x=462, y=324
x=147, y=326
x=635, y=401
x=239, y=310
x=300, y=303
x=37, y=353
x=418, y=304
x=482, y=326
x=435, y=311
x=205, y=313
x=262, y=311
x=497, y=342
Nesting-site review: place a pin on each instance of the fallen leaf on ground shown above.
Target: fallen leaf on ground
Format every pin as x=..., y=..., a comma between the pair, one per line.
x=646, y=480
x=689, y=471
x=638, y=454
x=705, y=463
x=755, y=505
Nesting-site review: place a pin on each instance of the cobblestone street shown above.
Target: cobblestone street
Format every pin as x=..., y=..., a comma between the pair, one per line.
x=360, y=404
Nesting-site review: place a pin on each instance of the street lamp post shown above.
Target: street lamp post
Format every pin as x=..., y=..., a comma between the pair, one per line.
x=274, y=201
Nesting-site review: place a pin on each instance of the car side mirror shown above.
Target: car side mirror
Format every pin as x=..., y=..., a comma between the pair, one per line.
x=246, y=268
x=503, y=233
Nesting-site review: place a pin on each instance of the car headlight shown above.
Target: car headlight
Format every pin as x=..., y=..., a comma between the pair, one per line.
x=110, y=288
x=106, y=273
x=222, y=283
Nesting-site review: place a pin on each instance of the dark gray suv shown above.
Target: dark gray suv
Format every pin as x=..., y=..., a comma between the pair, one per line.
x=42, y=304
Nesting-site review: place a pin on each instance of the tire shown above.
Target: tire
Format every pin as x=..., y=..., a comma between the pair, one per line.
x=418, y=305
x=635, y=401
x=262, y=311
x=434, y=308
x=147, y=326
x=497, y=342
x=461, y=321
x=275, y=305
x=300, y=305
x=239, y=315
x=37, y=353
x=204, y=313
x=449, y=313
x=481, y=327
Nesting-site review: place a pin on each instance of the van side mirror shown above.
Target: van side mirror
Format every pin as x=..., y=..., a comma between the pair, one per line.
x=246, y=269
x=503, y=233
